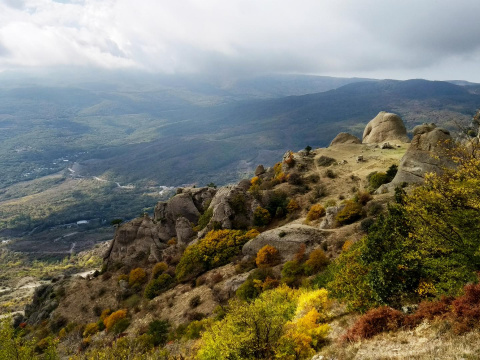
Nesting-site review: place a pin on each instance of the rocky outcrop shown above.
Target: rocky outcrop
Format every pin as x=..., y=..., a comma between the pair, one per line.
x=287, y=239
x=233, y=207
x=259, y=170
x=345, y=138
x=329, y=221
x=385, y=127
x=42, y=305
x=184, y=230
x=188, y=203
x=427, y=153
x=136, y=242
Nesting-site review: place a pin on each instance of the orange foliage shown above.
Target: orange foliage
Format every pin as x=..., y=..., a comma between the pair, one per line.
x=137, y=277
x=255, y=180
x=113, y=318
x=267, y=256
x=315, y=212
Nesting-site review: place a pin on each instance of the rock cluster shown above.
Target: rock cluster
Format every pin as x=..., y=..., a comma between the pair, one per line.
x=427, y=153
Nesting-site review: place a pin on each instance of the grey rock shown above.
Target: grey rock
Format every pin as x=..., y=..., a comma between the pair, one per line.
x=135, y=243
x=345, y=138
x=293, y=236
x=329, y=221
x=259, y=170
x=427, y=153
x=385, y=126
x=184, y=230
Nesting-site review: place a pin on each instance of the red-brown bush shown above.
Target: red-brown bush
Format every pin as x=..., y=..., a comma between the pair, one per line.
x=429, y=310
x=374, y=322
x=466, y=309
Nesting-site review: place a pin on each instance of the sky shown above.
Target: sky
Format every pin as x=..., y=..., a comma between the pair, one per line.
x=430, y=39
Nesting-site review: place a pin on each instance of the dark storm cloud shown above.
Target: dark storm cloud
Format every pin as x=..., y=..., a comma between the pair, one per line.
x=428, y=38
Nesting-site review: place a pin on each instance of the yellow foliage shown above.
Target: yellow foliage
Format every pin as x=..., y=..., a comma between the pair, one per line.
x=313, y=299
x=215, y=249
x=113, y=318
x=315, y=212
x=426, y=288
x=302, y=335
x=172, y=241
x=137, y=276
x=292, y=206
x=255, y=180
x=267, y=327
x=105, y=314
x=90, y=329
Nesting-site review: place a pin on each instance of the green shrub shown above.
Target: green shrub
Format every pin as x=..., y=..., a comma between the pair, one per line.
x=377, y=179
x=158, y=330
x=194, y=301
x=330, y=174
x=132, y=301
x=204, y=219
x=325, y=161
x=238, y=204
x=120, y=326
x=156, y=286
x=261, y=216
x=252, y=288
x=350, y=213
x=159, y=269
x=217, y=248
x=90, y=329
x=277, y=199
x=317, y=261
x=292, y=273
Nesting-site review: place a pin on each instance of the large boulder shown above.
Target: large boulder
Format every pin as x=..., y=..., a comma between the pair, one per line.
x=385, y=127
x=135, y=243
x=345, y=138
x=287, y=239
x=427, y=153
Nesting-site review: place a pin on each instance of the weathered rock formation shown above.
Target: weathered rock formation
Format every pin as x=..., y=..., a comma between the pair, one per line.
x=385, y=127
x=345, y=138
x=142, y=240
x=287, y=239
x=233, y=207
x=427, y=153
x=136, y=242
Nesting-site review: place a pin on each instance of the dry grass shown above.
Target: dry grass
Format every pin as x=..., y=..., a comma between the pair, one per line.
x=430, y=340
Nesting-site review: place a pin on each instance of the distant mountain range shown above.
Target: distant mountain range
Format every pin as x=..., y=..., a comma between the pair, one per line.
x=174, y=130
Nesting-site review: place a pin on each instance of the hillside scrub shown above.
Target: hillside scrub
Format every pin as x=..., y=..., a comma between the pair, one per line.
x=281, y=323
x=217, y=248
x=423, y=247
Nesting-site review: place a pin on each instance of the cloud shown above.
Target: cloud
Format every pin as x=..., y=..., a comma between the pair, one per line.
x=438, y=38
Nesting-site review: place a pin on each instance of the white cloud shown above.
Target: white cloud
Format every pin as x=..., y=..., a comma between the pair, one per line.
x=429, y=38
